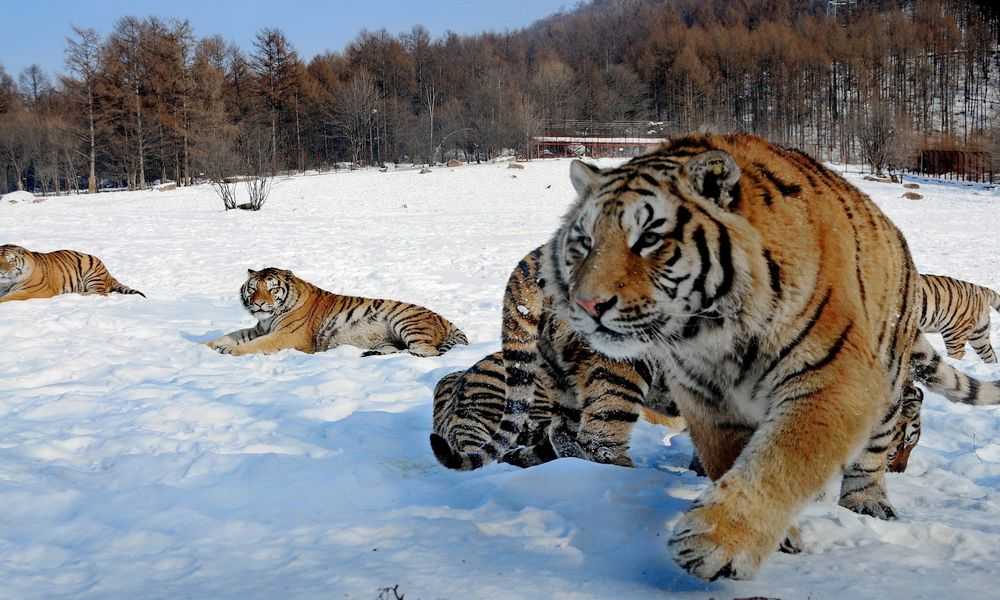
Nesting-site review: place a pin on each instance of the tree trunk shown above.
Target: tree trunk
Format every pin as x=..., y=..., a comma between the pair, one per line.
x=141, y=183
x=298, y=135
x=274, y=142
x=187, y=162
x=92, y=178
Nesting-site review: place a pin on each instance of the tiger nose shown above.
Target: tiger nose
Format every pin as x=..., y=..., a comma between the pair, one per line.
x=596, y=308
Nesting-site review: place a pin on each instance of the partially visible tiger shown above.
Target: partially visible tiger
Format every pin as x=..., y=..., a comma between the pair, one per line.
x=779, y=303
x=907, y=432
x=583, y=404
x=469, y=405
x=960, y=312
x=295, y=314
x=25, y=274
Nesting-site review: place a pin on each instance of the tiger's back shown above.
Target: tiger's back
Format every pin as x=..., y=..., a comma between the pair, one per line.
x=383, y=325
x=960, y=312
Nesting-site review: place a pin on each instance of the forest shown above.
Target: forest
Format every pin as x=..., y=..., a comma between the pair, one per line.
x=851, y=81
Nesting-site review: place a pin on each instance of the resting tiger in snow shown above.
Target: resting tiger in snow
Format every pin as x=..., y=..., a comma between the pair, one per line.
x=25, y=274
x=584, y=404
x=781, y=305
x=295, y=314
x=960, y=312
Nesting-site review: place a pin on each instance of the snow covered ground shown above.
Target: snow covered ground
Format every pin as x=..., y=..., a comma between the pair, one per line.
x=137, y=463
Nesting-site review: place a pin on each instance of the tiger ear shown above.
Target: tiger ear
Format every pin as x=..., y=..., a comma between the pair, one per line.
x=714, y=175
x=251, y=272
x=287, y=273
x=583, y=176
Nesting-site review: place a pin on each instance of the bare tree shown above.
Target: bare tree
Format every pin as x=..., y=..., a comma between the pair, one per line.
x=83, y=60
x=274, y=61
x=127, y=40
x=552, y=85
x=876, y=136
x=257, y=163
x=354, y=111
x=34, y=84
x=222, y=163
x=429, y=97
x=8, y=91
x=17, y=143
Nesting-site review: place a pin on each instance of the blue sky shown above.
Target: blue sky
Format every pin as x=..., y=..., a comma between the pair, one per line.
x=34, y=31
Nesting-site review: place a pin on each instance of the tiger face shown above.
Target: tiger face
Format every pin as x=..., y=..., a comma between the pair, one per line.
x=267, y=293
x=14, y=264
x=647, y=248
x=907, y=432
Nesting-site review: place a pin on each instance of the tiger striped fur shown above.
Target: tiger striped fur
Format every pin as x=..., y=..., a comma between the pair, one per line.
x=597, y=399
x=781, y=305
x=960, y=312
x=907, y=432
x=25, y=274
x=469, y=406
x=295, y=314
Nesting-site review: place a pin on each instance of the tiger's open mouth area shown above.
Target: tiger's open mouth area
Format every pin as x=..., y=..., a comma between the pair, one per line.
x=135, y=462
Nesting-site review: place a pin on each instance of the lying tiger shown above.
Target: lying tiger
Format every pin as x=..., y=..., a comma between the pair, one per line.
x=960, y=312
x=25, y=274
x=781, y=306
x=295, y=314
x=584, y=404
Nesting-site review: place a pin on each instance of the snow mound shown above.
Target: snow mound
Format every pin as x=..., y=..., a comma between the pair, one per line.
x=18, y=197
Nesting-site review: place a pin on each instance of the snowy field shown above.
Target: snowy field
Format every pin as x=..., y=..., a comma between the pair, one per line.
x=137, y=463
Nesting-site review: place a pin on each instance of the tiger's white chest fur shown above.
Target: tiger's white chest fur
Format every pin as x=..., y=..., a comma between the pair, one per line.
x=716, y=373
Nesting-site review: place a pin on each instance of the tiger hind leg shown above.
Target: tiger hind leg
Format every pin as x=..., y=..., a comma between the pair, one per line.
x=606, y=430
x=862, y=488
x=954, y=342
x=980, y=342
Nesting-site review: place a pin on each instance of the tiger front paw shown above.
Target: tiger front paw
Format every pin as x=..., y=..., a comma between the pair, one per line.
x=872, y=502
x=714, y=539
x=222, y=345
